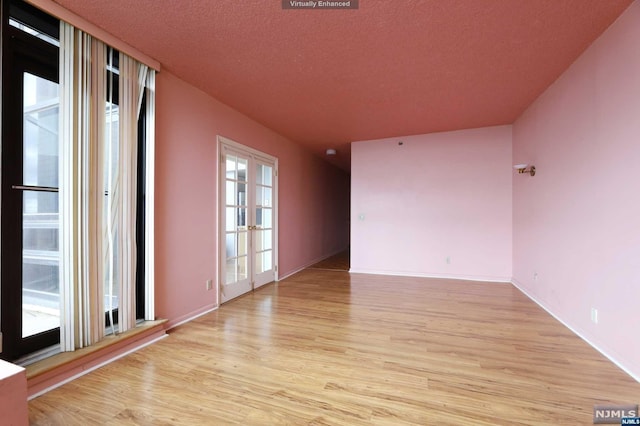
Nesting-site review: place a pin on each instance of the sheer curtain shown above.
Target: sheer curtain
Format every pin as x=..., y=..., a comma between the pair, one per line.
x=132, y=82
x=98, y=187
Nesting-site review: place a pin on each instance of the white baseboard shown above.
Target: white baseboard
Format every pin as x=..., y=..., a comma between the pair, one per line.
x=519, y=286
x=494, y=279
x=191, y=316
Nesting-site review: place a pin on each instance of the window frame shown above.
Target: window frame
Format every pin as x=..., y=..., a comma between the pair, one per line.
x=16, y=44
x=21, y=52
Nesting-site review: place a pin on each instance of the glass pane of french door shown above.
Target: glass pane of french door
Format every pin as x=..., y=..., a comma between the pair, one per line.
x=264, y=218
x=236, y=212
x=236, y=218
x=40, y=221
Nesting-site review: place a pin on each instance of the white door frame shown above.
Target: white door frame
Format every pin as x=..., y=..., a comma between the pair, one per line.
x=221, y=203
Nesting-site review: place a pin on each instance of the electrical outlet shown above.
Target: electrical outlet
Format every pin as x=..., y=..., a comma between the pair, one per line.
x=535, y=276
x=448, y=260
x=209, y=284
x=594, y=315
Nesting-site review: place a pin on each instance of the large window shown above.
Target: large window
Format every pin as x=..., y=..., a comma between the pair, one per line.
x=70, y=262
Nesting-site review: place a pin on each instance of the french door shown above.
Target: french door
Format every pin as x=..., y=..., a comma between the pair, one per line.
x=248, y=219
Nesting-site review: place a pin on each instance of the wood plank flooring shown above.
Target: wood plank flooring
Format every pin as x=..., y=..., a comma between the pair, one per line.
x=329, y=348
x=338, y=262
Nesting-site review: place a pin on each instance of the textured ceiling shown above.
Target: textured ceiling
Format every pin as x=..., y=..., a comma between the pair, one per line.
x=324, y=78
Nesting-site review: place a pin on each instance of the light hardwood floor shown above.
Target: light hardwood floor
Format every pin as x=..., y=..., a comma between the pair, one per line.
x=339, y=262
x=328, y=348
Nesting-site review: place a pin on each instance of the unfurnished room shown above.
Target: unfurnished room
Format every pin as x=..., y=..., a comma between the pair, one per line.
x=349, y=212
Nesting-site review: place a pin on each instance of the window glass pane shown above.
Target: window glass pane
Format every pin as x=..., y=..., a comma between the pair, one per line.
x=263, y=217
x=268, y=243
x=259, y=267
x=267, y=218
x=236, y=269
x=40, y=146
x=242, y=268
x=230, y=193
x=111, y=287
x=40, y=263
x=230, y=219
x=263, y=261
x=112, y=127
x=259, y=240
x=259, y=195
x=242, y=218
x=112, y=135
x=231, y=271
x=232, y=248
x=241, y=195
x=268, y=197
x=242, y=169
x=40, y=220
x=267, y=260
x=264, y=175
x=263, y=239
x=231, y=167
x=242, y=243
x=263, y=196
x=236, y=218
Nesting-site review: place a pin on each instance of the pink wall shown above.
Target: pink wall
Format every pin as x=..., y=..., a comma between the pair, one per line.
x=313, y=196
x=577, y=222
x=436, y=196
x=13, y=395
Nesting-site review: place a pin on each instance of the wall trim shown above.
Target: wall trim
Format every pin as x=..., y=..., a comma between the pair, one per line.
x=490, y=279
x=519, y=286
x=191, y=316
